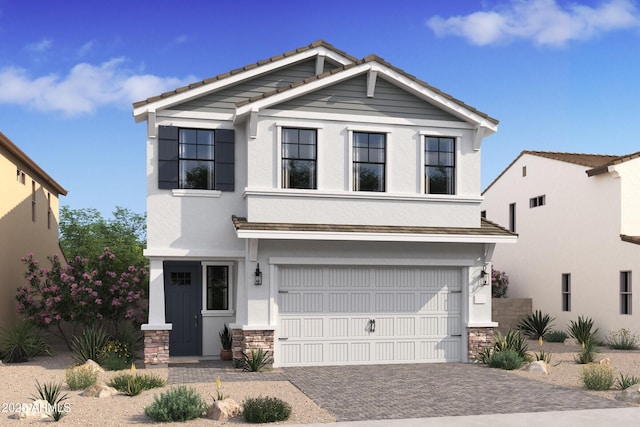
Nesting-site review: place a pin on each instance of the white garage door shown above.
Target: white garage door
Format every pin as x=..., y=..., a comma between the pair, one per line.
x=330, y=315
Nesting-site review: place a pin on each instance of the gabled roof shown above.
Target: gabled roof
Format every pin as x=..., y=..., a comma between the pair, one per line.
x=34, y=169
x=349, y=62
x=488, y=232
x=593, y=161
x=617, y=160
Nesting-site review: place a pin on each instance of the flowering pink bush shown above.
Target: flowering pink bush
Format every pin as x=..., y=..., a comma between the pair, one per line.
x=76, y=295
x=499, y=284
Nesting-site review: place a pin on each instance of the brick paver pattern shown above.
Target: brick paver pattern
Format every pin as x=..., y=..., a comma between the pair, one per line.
x=376, y=392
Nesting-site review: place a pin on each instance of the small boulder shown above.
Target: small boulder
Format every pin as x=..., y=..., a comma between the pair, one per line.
x=538, y=366
x=630, y=395
x=605, y=361
x=99, y=390
x=90, y=364
x=222, y=410
x=32, y=410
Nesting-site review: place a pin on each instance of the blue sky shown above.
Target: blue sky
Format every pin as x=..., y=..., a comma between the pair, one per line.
x=559, y=75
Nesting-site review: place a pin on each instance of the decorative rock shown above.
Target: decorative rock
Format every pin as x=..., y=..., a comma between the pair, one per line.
x=222, y=410
x=32, y=410
x=93, y=366
x=99, y=390
x=605, y=361
x=631, y=394
x=538, y=366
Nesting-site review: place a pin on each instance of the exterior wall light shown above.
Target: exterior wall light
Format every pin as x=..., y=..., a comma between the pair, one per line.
x=258, y=278
x=484, y=276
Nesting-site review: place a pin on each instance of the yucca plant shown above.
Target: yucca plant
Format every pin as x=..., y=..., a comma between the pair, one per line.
x=626, y=381
x=256, y=360
x=536, y=325
x=582, y=330
x=513, y=340
x=89, y=345
x=588, y=352
x=51, y=393
x=22, y=342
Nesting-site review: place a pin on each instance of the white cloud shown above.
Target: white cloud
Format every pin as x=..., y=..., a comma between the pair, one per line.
x=40, y=46
x=85, y=48
x=84, y=89
x=542, y=21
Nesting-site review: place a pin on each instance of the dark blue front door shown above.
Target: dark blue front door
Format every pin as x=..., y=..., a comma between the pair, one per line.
x=183, y=305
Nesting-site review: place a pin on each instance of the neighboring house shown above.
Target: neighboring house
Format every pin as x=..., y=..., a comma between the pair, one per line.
x=28, y=221
x=327, y=208
x=577, y=217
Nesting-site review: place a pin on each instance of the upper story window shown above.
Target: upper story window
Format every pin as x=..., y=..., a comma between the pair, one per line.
x=439, y=165
x=21, y=177
x=299, y=158
x=534, y=202
x=202, y=159
x=625, y=292
x=197, y=159
x=369, y=158
x=512, y=217
x=566, y=292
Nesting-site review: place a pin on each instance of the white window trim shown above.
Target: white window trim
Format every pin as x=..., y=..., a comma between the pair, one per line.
x=457, y=136
x=231, y=290
x=349, y=168
x=319, y=150
x=183, y=192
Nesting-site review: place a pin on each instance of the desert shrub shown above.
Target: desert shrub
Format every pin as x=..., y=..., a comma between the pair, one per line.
x=513, y=340
x=265, y=410
x=582, y=329
x=499, y=284
x=588, y=352
x=80, y=377
x=556, y=336
x=622, y=339
x=508, y=359
x=625, y=381
x=134, y=384
x=88, y=346
x=21, y=342
x=544, y=356
x=116, y=356
x=52, y=394
x=256, y=360
x=180, y=403
x=597, y=377
x=536, y=325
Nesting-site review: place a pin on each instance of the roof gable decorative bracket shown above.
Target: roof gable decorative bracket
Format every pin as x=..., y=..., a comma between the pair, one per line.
x=371, y=82
x=319, y=63
x=253, y=124
x=480, y=133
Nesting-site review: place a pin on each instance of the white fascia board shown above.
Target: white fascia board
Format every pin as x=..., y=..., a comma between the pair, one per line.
x=373, y=237
x=140, y=113
x=181, y=114
x=409, y=262
x=183, y=254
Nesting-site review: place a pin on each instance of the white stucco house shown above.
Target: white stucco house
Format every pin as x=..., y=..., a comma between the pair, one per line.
x=577, y=217
x=326, y=207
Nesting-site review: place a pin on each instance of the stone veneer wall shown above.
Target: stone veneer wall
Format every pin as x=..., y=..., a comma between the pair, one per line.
x=479, y=339
x=156, y=348
x=246, y=341
x=509, y=311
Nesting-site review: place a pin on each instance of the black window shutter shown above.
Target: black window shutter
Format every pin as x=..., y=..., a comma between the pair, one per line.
x=167, y=157
x=225, y=170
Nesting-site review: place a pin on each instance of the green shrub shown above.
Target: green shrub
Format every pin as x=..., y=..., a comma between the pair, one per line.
x=265, y=410
x=88, y=346
x=507, y=359
x=256, y=361
x=582, y=330
x=536, y=324
x=588, y=352
x=80, y=377
x=597, y=377
x=134, y=384
x=556, y=336
x=21, y=343
x=622, y=339
x=132, y=338
x=51, y=393
x=116, y=356
x=512, y=341
x=543, y=356
x=626, y=381
x=181, y=403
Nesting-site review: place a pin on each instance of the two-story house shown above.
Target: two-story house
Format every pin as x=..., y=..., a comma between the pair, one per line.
x=326, y=207
x=28, y=221
x=578, y=221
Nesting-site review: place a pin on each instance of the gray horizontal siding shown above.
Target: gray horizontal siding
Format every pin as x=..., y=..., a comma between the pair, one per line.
x=350, y=97
x=224, y=101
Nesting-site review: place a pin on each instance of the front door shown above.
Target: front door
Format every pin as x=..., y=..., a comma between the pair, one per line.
x=183, y=305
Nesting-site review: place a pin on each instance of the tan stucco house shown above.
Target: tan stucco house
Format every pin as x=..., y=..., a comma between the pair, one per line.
x=28, y=221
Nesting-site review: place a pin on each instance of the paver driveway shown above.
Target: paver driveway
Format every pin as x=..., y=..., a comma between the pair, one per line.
x=376, y=392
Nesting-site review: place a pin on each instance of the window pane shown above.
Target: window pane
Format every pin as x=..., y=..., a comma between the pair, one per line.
x=376, y=155
x=360, y=154
x=432, y=144
x=289, y=135
x=369, y=177
x=307, y=136
x=446, y=144
x=188, y=136
x=205, y=152
x=290, y=151
x=196, y=175
x=298, y=174
x=307, y=152
x=360, y=139
x=188, y=151
x=217, y=287
x=446, y=159
x=376, y=140
x=440, y=180
x=205, y=137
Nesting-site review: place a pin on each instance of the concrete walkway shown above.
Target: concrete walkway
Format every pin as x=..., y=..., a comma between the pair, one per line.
x=440, y=394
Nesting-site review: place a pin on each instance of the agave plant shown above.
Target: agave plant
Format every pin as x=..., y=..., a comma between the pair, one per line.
x=536, y=325
x=582, y=330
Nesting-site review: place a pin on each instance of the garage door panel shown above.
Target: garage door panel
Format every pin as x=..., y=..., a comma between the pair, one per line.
x=327, y=320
